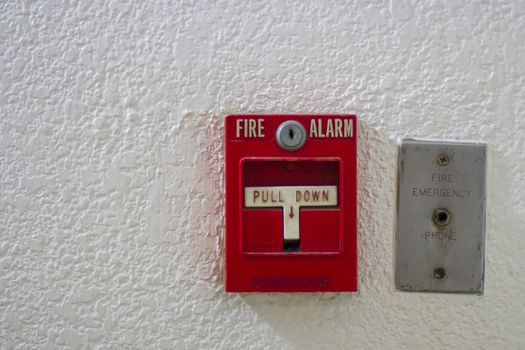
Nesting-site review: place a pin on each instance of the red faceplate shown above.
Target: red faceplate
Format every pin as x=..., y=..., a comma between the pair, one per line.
x=258, y=257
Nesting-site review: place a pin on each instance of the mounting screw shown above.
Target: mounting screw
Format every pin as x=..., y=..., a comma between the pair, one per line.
x=291, y=135
x=442, y=159
x=439, y=273
x=441, y=217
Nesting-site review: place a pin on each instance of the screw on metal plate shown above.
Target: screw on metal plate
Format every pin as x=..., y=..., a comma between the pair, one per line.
x=441, y=217
x=291, y=135
x=442, y=159
x=439, y=273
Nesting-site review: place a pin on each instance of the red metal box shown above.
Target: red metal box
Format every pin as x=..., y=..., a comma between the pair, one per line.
x=291, y=212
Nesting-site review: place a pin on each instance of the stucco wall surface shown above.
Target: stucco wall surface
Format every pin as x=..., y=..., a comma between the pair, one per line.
x=111, y=163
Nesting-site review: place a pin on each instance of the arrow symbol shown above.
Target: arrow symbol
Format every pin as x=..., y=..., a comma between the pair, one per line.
x=291, y=213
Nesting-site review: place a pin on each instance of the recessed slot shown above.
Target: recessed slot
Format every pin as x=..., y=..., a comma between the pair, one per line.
x=291, y=245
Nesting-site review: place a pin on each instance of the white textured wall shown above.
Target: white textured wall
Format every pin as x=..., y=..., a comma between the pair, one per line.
x=111, y=211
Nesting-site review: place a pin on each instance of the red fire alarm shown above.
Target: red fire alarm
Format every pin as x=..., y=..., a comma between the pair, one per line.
x=291, y=213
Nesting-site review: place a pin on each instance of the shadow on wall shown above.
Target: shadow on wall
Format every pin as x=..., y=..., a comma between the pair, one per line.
x=368, y=319
x=310, y=320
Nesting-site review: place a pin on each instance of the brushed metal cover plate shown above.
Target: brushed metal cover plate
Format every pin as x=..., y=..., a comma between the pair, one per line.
x=443, y=250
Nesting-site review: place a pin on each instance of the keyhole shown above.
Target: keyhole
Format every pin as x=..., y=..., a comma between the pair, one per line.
x=290, y=135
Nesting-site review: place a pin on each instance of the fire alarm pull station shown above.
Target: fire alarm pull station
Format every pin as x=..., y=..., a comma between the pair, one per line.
x=291, y=189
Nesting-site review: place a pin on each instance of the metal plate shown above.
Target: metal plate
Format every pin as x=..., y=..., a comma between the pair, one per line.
x=440, y=243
